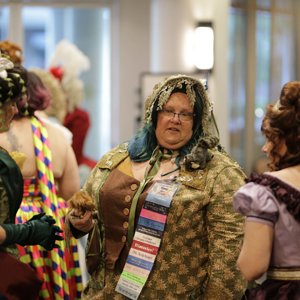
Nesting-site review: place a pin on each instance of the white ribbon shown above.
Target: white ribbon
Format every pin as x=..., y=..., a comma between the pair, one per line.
x=5, y=64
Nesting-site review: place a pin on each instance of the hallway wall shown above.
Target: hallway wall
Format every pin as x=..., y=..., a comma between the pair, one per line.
x=153, y=36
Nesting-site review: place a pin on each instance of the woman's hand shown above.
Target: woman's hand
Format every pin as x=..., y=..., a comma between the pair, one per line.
x=81, y=222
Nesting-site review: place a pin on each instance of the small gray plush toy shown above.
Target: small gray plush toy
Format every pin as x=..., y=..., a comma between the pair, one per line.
x=199, y=156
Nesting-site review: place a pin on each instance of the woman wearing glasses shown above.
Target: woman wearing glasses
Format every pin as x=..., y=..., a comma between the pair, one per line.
x=164, y=225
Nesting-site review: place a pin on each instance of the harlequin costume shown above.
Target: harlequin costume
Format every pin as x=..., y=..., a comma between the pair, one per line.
x=59, y=268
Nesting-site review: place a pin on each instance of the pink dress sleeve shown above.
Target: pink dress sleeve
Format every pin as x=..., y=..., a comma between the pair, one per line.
x=257, y=203
x=267, y=199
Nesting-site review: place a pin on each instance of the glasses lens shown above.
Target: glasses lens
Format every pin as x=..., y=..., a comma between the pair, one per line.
x=182, y=116
x=186, y=117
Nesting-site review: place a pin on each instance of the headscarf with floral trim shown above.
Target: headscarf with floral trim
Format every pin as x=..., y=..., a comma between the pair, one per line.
x=205, y=132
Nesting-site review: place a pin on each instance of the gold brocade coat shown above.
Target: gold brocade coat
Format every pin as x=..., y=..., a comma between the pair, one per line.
x=201, y=241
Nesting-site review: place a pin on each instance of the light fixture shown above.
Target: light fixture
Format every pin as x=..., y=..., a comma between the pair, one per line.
x=204, y=46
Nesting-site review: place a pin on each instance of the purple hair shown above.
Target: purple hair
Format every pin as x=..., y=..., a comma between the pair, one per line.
x=38, y=96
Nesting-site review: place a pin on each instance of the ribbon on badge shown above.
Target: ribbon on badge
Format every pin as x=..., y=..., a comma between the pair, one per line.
x=146, y=239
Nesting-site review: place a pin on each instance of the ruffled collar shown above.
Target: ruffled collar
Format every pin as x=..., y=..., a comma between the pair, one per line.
x=281, y=190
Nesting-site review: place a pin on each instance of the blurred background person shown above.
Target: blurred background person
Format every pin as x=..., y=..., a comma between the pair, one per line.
x=270, y=202
x=51, y=176
x=13, y=50
x=56, y=111
x=67, y=64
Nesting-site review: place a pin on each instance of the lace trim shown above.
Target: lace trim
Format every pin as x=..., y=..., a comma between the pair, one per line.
x=281, y=190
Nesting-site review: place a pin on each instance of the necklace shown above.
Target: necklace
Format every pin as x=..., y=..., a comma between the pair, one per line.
x=170, y=172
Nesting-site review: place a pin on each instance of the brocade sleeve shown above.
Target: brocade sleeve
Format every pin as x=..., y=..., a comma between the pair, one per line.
x=225, y=234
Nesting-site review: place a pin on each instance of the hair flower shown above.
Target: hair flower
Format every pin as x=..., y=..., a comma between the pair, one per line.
x=5, y=64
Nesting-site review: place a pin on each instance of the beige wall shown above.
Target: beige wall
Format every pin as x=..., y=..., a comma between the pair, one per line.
x=153, y=37
x=134, y=58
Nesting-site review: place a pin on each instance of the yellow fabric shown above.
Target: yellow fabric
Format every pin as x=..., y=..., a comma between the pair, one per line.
x=125, y=167
x=18, y=157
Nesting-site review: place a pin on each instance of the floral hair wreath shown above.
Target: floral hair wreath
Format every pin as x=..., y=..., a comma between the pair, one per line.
x=7, y=64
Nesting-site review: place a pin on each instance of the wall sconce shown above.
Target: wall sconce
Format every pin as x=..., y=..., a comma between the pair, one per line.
x=204, y=46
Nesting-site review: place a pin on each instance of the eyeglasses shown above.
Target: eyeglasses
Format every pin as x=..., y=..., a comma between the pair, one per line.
x=184, y=117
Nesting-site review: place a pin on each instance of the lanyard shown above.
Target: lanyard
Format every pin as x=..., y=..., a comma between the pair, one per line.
x=151, y=170
x=147, y=239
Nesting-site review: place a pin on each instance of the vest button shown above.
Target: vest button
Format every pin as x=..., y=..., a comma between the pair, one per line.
x=133, y=187
x=127, y=198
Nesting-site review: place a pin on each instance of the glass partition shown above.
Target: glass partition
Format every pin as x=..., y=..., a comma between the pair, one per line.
x=262, y=57
x=4, y=18
x=40, y=27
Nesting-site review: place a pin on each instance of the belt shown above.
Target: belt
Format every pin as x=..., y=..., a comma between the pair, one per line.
x=284, y=273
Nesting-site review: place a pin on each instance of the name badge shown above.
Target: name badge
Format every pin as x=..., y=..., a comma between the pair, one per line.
x=147, y=239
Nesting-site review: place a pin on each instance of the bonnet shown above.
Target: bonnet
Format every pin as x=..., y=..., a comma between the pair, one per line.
x=196, y=92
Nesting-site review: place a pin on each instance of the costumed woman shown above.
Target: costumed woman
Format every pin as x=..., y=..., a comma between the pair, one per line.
x=271, y=204
x=50, y=175
x=18, y=280
x=163, y=224
x=67, y=64
x=55, y=113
